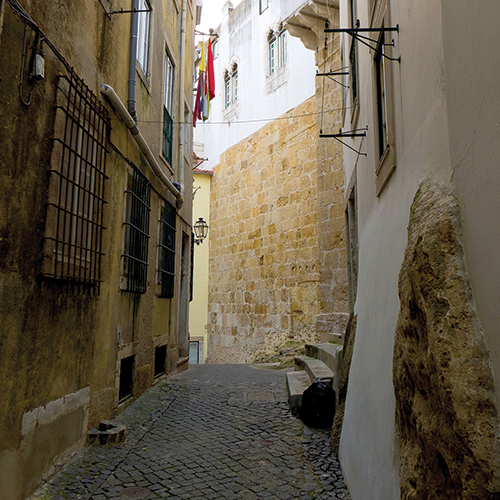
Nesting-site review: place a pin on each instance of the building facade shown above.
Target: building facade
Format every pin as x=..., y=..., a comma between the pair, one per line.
x=277, y=269
x=96, y=208
x=420, y=115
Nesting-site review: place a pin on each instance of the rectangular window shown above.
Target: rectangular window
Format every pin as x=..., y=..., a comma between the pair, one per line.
x=166, y=251
x=194, y=353
x=143, y=35
x=277, y=51
x=263, y=5
x=74, y=221
x=273, y=62
x=235, y=85
x=383, y=106
x=227, y=90
x=168, y=110
x=282, y=49
x=136, y=233
x=353, y=57
x=381, y=100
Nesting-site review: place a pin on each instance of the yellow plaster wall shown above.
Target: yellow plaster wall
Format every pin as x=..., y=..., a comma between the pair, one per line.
x=198, y=310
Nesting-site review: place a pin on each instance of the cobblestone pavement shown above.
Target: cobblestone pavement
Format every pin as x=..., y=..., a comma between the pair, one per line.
x=212, y=432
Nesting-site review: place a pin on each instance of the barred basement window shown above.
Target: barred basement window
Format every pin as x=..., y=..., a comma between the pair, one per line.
x=74, y=222
x=166, y=251
x=136, y=233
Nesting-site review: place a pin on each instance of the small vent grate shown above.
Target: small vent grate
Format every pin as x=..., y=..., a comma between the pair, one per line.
x=135, y=493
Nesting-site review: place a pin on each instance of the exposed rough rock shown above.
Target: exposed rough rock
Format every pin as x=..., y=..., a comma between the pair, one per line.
x=445, y=412
x=283, y=354
x=345, y=366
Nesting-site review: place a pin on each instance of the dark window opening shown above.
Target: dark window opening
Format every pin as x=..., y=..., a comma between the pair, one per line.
x=353, y=62
x=168, y=133
x=166, y=260
x=126, y=378
x=191, y=270
x=160, y=360
x=381, y=100
x=136, y=232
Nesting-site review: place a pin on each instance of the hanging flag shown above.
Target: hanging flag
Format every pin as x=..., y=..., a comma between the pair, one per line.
x=210, y=72
x=206, y=84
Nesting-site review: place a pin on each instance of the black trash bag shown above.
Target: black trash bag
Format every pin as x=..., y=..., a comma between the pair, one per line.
x=318, y=405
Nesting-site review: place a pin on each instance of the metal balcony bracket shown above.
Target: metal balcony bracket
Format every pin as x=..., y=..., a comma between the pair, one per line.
x=359, y=132
x=331, y=74
x=355, y=33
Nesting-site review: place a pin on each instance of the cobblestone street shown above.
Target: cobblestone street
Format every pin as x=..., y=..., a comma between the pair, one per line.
x=212, y=432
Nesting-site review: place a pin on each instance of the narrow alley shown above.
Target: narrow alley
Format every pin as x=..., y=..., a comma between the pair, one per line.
x=211, y=432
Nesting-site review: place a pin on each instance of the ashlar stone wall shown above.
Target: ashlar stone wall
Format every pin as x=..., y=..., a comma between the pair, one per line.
x=276, y=240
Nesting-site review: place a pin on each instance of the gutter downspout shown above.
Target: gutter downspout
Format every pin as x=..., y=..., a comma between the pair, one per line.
x=134, y=36
x=182, y=57
x=139, y=139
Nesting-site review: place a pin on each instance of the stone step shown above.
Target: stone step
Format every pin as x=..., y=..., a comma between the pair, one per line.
x=330, y=354
x=315, y=368
x=296, y=384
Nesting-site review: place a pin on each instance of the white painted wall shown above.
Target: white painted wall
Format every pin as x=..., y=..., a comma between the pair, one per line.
x=243, y=38
x=447, y=115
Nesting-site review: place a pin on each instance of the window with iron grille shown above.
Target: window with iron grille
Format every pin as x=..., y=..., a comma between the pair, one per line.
x=74, y=220
x=166, y=251
x=136, y=233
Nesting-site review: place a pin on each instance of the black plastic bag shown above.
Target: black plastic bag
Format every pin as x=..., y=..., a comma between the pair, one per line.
x=318, y=405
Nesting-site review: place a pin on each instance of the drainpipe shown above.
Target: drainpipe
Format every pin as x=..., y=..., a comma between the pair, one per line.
x=139, y=139
x=182, y=57
x=134, y=35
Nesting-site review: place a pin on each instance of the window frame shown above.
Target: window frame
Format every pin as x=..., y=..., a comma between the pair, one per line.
x=168, y=108
x=383, y=102
x=263, y=6
x=144, y=36
x=277, y=46
x=136, y=232
x=167, y=249
x=353, y=67
x=74, y=219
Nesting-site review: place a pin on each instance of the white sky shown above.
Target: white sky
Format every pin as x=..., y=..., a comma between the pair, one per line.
x=211, y=14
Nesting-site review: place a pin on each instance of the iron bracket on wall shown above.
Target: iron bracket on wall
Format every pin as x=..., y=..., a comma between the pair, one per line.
x=359, y=132
x=331, y=74
x=355, y=33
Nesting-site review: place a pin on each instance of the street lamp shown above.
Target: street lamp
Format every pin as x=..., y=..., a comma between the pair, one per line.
x=200, y=230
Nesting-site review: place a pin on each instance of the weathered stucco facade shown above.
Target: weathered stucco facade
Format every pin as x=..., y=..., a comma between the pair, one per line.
x=83, y=332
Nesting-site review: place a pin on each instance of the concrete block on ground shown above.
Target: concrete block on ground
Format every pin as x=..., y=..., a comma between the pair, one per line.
x=296, y=384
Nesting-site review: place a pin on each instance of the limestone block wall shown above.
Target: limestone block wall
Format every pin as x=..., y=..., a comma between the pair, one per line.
x=332, y=258
x=276, y=244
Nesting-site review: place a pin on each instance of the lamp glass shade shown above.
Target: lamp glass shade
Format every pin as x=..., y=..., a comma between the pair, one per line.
x=200, y=229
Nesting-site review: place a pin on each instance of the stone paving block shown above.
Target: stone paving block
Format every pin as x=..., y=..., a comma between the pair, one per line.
x=186, y=441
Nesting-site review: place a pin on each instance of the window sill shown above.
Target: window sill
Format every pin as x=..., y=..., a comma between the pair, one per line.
x=143, y=76
x=170, y=168
x=275, y=80
x=231, y=112
x=385, y=168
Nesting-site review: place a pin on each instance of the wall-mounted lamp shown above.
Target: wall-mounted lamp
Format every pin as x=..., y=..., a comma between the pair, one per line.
x=200, y=230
